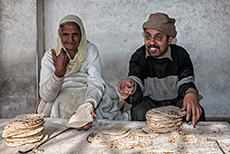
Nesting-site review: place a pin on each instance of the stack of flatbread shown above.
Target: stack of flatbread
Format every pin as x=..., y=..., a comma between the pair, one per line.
x=164, y=119
x=24, y=129
x=121, y=137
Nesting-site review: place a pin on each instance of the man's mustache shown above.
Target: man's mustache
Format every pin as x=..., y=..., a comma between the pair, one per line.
x=155, y=46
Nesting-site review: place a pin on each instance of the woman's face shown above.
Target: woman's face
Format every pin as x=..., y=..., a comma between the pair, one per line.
x=70, y=35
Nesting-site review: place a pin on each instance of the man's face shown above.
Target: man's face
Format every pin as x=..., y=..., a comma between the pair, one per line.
x=70, y=36
x=156, y=42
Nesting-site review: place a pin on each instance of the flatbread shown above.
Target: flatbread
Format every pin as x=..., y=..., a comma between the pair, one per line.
x=24, y=121
x=161, y=130
x=166, y=130
x=145, y=139
x=32, y=138
x=23, y=141
x=115, y=129
x=94, y=139
x=190, y=139
x=170, y=111
x=144, y=142
x=98, y=138
x=126, y=139
x=24, y=129
x=24, y=132
x=164, y=119
x=128, y=142
x=177, y=138
x=153, y=125
x=140, y=132
x=27, y=117
x=82, y=116
x=163, y=127
x=16, y=131
x=154, y=116
x=108, y=137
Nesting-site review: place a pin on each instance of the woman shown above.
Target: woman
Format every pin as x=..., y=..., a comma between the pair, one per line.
x=71, y=75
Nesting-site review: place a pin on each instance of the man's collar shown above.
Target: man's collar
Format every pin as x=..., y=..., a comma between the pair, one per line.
x=166, y=55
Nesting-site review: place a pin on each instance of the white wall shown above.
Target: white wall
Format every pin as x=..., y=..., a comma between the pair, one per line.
x=115, y=27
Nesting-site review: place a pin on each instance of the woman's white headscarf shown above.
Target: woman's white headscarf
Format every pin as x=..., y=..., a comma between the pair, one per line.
x=74, y=64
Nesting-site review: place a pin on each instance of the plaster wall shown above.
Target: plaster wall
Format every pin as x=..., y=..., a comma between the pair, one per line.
x=18, y=50
x=115, y=27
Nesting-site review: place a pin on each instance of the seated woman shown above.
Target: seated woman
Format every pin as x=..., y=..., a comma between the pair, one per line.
x=71, y=75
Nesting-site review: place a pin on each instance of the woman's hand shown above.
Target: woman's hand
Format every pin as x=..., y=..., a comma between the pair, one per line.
x=61, y=61
x=89, y=125
x=85, y=112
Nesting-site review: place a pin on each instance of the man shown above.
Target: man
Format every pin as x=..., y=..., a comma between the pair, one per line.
x=160, y=73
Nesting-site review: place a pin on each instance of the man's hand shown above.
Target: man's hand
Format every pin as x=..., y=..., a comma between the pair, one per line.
x=125, y=87
x=191, y=105
x=61, y=61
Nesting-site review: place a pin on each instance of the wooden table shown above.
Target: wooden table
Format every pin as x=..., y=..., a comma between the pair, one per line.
x=74, y=141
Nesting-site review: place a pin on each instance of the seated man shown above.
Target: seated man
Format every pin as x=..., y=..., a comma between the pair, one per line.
x=160, y=73
x=71, y=76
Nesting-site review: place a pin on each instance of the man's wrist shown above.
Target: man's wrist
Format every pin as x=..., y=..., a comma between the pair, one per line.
x=134, y=87
x=192, y=90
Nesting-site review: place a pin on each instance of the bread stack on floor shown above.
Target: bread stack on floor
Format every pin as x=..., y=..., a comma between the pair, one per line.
x=24, y=129
x=164, y=119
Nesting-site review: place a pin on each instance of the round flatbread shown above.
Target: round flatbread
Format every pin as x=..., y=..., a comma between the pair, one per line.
x=154, y=125
x=153, y=116
x=94, y=139
x=161, y=130
x=23, y=140
x=190, y=139
x=140, y=132
x=144, y=142
x=108, y=137
x=166, y=130
x=24, y=121
x=82, y=116
x=170, y=111
x=128, y=142
x=28, y=117
x=145, y=139
x=24, y=132
x=164, y=119
x=115, y=129
x=6, y=133
x=182, y=139
x=32, y=138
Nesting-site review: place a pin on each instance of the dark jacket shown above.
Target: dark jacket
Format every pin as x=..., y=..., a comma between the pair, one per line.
x=161, y=79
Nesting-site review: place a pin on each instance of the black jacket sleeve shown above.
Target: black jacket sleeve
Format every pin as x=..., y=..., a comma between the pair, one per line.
x=186, y=73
